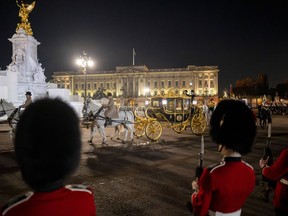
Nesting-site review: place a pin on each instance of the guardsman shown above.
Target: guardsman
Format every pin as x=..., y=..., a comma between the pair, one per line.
x=46, y=160
x=223, y=188
x=278, y=171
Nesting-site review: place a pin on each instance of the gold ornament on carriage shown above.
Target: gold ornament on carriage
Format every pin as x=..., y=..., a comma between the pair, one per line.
x=24, y=11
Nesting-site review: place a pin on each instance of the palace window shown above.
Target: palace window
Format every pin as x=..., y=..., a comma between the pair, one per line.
x=183, y=83
x=82, y=86
x=200, y=83
x=155, y=84
x=169, y=84
x=211, y=84
x=176, y=84
x=163, y=84
x=88, y=86
x=95, y=85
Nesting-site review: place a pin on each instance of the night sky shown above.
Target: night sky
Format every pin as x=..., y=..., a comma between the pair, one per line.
x=242, y=37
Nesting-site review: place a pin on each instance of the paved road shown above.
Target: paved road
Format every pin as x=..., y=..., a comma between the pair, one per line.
x=146, y=179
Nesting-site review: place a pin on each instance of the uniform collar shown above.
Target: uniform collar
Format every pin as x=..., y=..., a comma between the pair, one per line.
x=232, y=159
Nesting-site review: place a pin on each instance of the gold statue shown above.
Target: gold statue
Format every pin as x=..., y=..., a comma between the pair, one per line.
x=24, y=11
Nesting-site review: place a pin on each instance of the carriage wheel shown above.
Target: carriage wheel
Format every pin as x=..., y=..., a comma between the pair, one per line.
x=139, y=128
x=198, y=124
x=153, y=130
x=179, y=127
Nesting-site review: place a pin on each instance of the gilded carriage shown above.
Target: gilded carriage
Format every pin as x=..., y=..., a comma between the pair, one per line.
x=176, y=112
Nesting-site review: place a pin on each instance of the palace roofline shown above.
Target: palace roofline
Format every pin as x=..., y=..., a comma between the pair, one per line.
x=138, y=68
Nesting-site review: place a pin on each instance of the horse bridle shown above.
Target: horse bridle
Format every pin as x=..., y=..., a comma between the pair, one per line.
x=3, y=112
x=97, y=114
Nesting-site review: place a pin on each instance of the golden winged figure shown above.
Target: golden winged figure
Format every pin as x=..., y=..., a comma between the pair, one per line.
x=24, y=11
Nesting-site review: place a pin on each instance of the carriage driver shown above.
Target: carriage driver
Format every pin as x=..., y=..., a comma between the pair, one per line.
x=111, y=110
x=28, y=100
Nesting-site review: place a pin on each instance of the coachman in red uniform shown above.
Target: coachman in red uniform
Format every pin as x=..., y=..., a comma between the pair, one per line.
x=223, y=188
x=47, y=148
x=278, y=171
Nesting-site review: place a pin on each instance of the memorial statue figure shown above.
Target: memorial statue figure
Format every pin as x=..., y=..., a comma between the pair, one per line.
x=24, y=11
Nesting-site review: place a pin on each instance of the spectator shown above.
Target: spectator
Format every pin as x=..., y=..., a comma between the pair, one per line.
x=223, y=188
x=278, y=171
x=47, y=149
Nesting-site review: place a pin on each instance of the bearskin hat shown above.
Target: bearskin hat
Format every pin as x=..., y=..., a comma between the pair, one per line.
x=233, y=125
x=47, y=142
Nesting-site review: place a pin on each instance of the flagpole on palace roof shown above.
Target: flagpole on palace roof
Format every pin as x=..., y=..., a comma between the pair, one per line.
x=134, y=54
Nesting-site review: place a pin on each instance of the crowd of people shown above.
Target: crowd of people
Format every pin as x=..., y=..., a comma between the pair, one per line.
x=221, y=190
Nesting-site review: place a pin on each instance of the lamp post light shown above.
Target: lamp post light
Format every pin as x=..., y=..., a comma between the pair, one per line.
x=84, y=61
x=146, y=91
x=191, y=87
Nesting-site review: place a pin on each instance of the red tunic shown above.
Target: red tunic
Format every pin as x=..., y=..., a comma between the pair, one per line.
x=224, y=187
x=70, y=200
x=279, y=172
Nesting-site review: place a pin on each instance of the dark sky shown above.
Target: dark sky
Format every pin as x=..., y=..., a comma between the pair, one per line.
x=243, y=37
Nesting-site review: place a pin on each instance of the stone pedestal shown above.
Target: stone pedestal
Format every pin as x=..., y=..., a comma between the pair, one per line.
x=30, y=74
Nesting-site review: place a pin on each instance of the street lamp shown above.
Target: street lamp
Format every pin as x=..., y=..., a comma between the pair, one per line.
x=146, y=91
x=84, y=61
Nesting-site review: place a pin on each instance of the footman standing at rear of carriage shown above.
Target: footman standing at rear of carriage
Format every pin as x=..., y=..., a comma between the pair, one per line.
x=223, y=188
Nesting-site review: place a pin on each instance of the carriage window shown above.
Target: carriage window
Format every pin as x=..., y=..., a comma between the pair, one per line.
x=179, y=104
x=170, y=105
x=155, y=103
x=186, y=104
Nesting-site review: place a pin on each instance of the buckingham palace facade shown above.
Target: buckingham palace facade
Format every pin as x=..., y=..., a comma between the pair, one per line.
x=140, y=81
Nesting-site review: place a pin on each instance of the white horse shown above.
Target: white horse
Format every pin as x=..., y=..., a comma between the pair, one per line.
x=125, y=120
x=13, y=115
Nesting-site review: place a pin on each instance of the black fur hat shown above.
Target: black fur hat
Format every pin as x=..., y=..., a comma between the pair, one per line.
x=109, y=94
x=233, y=125
x=47, y=143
